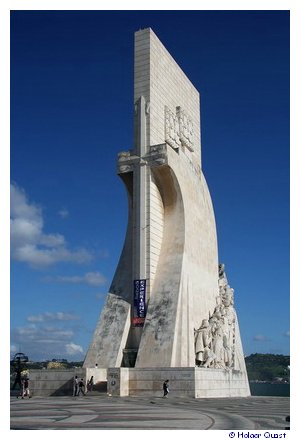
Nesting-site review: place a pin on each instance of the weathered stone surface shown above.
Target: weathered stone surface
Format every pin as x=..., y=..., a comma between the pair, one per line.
x=184, y=382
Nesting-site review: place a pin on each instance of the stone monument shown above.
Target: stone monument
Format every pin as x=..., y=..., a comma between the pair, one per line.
x=169, y=313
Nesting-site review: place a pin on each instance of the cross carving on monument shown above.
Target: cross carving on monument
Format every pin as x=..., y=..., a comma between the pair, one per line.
x=137, y=161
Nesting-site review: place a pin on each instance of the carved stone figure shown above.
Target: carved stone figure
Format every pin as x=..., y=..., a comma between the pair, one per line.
x=202, y=341
x=228, y=339
x=221, y=270
x=227, y=296
x=215, y=339
x=209, y=357
x=218, y=345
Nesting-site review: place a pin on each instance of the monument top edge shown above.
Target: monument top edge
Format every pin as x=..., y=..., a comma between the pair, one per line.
x=144, y=30
x=147, y=35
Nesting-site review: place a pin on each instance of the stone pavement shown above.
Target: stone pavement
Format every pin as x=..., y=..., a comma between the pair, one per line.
x=103, y=412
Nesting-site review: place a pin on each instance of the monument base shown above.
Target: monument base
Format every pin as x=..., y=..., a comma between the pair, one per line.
x=184, y=382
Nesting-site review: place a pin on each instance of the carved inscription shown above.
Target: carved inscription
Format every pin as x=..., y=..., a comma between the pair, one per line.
x=179, y=129
x=172, y=134
x=186, y=129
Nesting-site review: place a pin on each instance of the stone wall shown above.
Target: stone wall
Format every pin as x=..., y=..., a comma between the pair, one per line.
x=53, y=382
x=183, y=382
x=59, y=382
x=221, y=383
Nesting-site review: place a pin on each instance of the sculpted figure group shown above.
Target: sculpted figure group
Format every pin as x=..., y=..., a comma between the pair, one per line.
x=214, y=339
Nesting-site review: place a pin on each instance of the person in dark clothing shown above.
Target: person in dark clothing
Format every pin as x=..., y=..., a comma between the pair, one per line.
x=81, y=387
x=18, y=380
x=90, y=384
x=166, y=388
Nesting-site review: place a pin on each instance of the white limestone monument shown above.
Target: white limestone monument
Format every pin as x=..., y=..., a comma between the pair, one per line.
x=169, y=312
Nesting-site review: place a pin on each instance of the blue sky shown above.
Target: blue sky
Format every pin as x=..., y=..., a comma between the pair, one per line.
x=72, y=112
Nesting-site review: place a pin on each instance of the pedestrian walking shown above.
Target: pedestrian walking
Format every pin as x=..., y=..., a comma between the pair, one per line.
x=75, y=386
x=81, y=388
x=25, y=388
x=166, y=388
x=18, y=381
x=90, y=384
x=22, y=390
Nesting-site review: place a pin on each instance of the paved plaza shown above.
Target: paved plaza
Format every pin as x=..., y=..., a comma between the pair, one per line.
x=104, y=412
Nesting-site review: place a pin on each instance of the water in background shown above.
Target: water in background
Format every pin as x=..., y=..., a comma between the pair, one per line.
x=269, y=389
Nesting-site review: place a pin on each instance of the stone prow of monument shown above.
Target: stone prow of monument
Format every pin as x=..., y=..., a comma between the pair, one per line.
x=169, y=309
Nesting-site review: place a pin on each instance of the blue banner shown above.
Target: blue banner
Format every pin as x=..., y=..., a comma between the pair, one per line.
x=139, y=303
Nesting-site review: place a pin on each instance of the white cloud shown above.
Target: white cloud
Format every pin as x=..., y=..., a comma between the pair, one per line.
x=73, y=349
x=40, y=335
x=48, y=316
x=260, y=338
x=19, y=206
x=43, y=342
x=29, y=243
x=92, y=278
